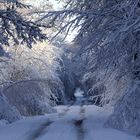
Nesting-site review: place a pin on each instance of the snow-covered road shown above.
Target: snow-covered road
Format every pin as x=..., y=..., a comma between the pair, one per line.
x=70, y=123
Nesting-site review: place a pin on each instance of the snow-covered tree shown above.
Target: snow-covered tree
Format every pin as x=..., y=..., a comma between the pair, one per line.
x=15, y=28
x=29, y=78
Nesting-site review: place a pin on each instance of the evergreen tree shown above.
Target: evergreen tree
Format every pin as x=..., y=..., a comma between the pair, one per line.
x=15, y=28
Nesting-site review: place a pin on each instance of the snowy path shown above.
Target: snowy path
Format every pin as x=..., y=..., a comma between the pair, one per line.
x=70, y=123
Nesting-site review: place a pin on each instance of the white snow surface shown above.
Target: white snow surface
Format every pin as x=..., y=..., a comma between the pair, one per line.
x=69, y=123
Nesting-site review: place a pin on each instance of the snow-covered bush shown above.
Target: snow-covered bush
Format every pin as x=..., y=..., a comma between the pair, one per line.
x=7, y=111
x=28, y=98
x=30, y=79
x=126, y=114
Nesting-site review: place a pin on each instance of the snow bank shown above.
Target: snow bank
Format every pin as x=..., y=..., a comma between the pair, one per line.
x=28, y=98
x=62, y=126
x=7, y=112
x=126, y=114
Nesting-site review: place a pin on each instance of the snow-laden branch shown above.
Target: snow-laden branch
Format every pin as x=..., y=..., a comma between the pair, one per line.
x=30, y=80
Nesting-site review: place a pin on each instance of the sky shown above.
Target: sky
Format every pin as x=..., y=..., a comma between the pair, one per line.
x=57, y=5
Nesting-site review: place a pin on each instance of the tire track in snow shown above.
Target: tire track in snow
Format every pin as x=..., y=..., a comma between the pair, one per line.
x=79, y=124
x=39, y=131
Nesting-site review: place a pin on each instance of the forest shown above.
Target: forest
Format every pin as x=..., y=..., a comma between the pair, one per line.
x=69, y=69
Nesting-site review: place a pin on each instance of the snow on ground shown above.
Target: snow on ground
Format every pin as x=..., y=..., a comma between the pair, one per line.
x=95, y=129
x=70, y=123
